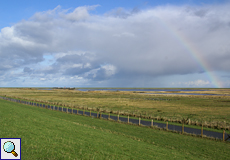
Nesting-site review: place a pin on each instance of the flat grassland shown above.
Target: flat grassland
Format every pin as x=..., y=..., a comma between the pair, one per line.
x=195, y=107
x=47, y=134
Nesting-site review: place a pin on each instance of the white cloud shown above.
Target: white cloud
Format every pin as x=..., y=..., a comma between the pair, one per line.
x=147, y=43
x=109, y=70
x=197, y=83
x=80, y=13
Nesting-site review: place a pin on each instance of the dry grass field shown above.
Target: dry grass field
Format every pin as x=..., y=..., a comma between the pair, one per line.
x=206, y=108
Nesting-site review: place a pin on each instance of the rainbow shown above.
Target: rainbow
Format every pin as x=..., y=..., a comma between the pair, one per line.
x=194, y=52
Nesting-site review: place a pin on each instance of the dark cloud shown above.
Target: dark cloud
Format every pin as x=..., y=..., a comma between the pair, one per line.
x=200, y=13
x=161, y=41
x=27, y=70
x=226, y=76
x=76, y=71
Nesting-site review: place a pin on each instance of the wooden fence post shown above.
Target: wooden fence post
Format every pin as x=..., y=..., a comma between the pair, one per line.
x=182, y=128
x=223, y=135
x=90, y=113
x=128, y=118
x=97, y=114
x=167, y=125
x=77, y=111
x=66, y=110
x=152, y=123
x=139, y=121
x=84, y=112
x=62, y=109
x=202, y=130
x=100, y=114
x=72, y=110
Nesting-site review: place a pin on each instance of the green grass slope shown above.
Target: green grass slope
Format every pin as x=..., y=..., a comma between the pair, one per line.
x=47, y=134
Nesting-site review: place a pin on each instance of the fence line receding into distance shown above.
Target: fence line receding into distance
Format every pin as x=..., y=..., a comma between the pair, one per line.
x=182, y=129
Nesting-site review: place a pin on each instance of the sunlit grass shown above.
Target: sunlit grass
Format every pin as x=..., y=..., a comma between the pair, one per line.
x=47, y=134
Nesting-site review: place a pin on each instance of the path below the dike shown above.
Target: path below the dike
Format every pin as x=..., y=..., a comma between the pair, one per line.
x=171, y=127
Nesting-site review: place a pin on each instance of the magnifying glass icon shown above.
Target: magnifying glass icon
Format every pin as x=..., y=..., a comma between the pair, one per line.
x=9, y=147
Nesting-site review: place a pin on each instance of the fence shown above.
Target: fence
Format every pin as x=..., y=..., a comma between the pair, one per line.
x=182, y=129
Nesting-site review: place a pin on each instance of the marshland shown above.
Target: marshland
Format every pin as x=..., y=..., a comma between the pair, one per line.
x=211, y=109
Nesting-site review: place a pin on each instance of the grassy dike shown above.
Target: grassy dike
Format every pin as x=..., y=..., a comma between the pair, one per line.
x=158, y=121
x=50, y=134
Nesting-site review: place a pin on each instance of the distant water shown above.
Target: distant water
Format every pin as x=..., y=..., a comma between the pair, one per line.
x=199, y=94
x=187, y=94
x=146, y=90
x=143, y=90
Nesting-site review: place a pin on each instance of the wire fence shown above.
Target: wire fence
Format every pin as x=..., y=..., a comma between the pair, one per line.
x=126, y=119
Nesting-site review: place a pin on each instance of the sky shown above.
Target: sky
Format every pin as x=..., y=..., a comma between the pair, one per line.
x=131, y=43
